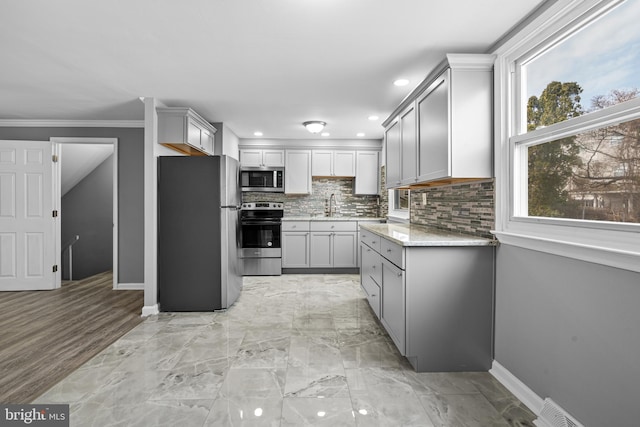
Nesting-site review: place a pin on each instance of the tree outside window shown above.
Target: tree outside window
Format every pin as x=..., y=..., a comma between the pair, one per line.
x=594, y=175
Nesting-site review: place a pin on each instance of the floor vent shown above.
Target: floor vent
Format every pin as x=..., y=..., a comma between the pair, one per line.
x=553, y=415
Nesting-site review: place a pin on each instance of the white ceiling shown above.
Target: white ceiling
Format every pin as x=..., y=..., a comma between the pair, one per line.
x=262, y=65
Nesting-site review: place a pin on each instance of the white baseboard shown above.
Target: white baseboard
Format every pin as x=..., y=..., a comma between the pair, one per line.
x=517, y=387
x=150, y=310
x=549, y=413
x=129, y=286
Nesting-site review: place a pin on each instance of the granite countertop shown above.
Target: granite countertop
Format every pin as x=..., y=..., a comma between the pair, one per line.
x=418, y=235
x=333, y=218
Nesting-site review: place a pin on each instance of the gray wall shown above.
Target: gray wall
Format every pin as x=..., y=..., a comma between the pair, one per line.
x=87, y=211
x=570, y=330
x=130, y=187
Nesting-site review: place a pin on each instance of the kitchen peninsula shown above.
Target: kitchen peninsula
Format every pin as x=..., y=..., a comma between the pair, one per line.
x=433, y=292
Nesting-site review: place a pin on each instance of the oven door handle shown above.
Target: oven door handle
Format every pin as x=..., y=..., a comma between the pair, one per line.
x=261, y=222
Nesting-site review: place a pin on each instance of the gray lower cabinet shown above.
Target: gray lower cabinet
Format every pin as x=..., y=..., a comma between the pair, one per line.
x=321, y=249
x=345, y=251
x=319, y=244
x=393, y=303
x=295, y=244
x=436, y=302
x=334, y=249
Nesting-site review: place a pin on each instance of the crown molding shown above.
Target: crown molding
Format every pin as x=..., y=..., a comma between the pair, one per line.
x=72, y=123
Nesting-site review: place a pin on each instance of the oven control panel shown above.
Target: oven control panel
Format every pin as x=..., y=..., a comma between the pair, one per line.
x=262, y=206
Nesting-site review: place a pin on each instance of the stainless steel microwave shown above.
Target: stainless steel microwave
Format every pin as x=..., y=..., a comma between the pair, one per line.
x=262, y=179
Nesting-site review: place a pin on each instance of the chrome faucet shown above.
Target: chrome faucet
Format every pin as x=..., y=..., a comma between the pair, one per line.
x=331, y=198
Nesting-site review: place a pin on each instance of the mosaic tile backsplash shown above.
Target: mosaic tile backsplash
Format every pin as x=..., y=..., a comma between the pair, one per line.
x=465, y=208
x=347, y=204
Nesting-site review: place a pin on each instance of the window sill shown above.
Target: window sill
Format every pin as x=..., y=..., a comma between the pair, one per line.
x=398, y=217
x=613, y=257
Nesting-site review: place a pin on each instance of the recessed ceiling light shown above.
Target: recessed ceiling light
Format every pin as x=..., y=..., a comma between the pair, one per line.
x=401, y=82
x=257, y=133
x=360, y=134
x=373, y=118
x=325, y=134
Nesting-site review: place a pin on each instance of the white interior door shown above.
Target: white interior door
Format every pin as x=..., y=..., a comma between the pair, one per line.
x=27, y=225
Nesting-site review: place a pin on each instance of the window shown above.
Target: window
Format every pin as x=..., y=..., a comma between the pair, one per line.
x=577, y=75
x=565, y=172
x=587, y=67
x=568, y=159
x=399, y=204
x=401, y=200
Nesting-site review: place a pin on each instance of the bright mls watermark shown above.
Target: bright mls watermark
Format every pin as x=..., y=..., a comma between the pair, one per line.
x=34, y=415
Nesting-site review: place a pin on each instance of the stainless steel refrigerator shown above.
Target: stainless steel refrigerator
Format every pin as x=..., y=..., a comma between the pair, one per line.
x=198, y=266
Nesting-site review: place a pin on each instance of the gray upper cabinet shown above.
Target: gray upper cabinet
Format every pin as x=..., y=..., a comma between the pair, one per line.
x=183, y=130
x=443, y=130
x=333, y=163
x=262, y=157
x=409, y=146
x=297, y=175
x=367, y=180
x=433, y=133
x=393, y=154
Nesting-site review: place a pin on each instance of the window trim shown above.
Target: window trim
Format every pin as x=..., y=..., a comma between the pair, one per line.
x=401, y=215
x=612, y=244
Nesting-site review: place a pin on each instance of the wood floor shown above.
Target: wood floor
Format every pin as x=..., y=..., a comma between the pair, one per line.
x=45, y=335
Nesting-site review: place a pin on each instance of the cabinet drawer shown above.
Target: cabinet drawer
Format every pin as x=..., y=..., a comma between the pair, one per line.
x=393, y=252
x=371, y=264
x=295, y=225
x=372, y=291
x=370, y=239
x=334, y=226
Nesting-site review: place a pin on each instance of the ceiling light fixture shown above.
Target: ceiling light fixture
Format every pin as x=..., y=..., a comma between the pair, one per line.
x=401, y=82
x=373, y=118
x=325, y=134
x=360, y=134
x=257, y=133
x=314, y=126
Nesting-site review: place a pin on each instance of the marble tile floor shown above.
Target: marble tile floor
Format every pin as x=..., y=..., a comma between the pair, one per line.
x=294, y=350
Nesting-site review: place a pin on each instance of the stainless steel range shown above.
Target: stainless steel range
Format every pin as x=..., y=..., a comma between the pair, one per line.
x=260, y=225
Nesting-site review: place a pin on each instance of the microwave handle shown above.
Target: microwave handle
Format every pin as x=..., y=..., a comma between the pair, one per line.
x=275, y=179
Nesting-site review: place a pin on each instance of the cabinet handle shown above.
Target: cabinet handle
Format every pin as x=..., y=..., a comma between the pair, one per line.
x=373, y=242
x=368, y=250
x=400, y=274
x=373, y=295
x=373, y=266
x=388, y=250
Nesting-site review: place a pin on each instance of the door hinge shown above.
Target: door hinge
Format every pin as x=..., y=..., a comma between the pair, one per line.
x=54, y=158
x=55, y=213
x=55, y=268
